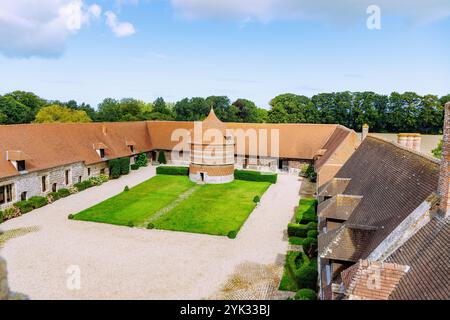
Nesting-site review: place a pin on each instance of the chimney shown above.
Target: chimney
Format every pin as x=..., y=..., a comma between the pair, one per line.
x=104, y=130
x=410, y=140
x=444, y=173
x=365, y=131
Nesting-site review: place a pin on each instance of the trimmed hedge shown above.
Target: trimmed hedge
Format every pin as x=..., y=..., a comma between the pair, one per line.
x=306, y=276
x=173, y=171
x=54, y=195
x=297, y=230
x=114, y=168
x=305, y=294
x=310, y=247
x=24, y=206
x=248, y=175
x=312, y=226
x=63, y=193
x=141, y=160
x=134, y=166
x=38, y=202
x=306, y=211
x=313, y=234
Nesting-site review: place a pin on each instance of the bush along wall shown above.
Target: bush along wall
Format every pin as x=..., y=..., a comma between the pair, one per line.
x=124, y=166
x=249, y=175
x=141, y=160
x=162, y=157
x=172, y=170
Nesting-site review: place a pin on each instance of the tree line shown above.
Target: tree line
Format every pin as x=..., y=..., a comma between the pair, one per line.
x=397, y=112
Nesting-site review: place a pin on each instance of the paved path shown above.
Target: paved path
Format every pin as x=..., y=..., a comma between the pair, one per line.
x=117, y=262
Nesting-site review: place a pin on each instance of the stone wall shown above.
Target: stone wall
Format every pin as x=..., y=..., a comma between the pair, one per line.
x=31, y=183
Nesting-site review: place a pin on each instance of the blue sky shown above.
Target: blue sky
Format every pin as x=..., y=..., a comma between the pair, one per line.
x=88, y=50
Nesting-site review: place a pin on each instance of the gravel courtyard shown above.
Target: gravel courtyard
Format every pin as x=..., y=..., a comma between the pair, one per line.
x=117, y=262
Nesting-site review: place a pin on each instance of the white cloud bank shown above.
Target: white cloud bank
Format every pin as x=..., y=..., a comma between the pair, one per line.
x=326, y=10
x=120, y=29
x=40, y=28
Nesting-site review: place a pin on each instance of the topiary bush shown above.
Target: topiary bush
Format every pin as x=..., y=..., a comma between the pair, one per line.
x=70, y=216
x=114, y=168
x=124, y=165
x=306, y=276
x=312, y=234
x=126, y=189
x=24, y=206
x=63, y=193
x=172, y=170
x=256, y=199
x=297, y=230
x=141, y=160
x=130, y=224
x=232, y=234
x=310, y=247
x=150, y=226
x=38, y=201
x=249, y=175
x=306, y=211
x=134, y=166
x=311, y=226
x=162, y=157
x=305, y=294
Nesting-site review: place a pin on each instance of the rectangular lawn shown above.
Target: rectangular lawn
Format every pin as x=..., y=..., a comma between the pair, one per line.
x=214, y=208
x=139, y=203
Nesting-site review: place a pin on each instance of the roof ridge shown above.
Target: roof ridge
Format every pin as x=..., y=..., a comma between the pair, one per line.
x=395, y=144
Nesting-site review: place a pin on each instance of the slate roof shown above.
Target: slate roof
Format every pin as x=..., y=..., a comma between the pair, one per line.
x=392, y=181
x=427, y=253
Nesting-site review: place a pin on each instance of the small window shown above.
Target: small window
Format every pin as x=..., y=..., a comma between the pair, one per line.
x=9, y=193
x=6, y=194
x=21, y=165
x=54, y=187
x=102, y=171
x=132, y=149
x=89, y=171
x=67, y=176
x=44, y=183
x=23, y=196
x=102, y=153
x=79, y=179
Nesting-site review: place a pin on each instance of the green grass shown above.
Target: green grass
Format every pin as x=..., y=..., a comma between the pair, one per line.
x=211, y=209
x=139, y=203
x=214, y=209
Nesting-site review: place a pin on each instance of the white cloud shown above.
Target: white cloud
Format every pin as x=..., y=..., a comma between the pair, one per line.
x=326, y=10
x=40, y=28
x=120, y=29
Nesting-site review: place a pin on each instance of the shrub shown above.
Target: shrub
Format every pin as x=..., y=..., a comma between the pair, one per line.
x=1, y=216
x=310, y=173
x=312, y=234
x=162, y=157
x=141, y=160
x=114, y=168
x=306, y=276
x=310, y=247
x=94, y=181
x=255, y=176
x=24, y=206
x=11, y=213
x=174, y=171
x=126, y=189
x=38, y=202
x=232, y=234
x=256, y=199
x=296, y=241
x=305, y=294
x=306, y=211
x=134, y=166
x=104, y=178
x=311, y=226
x=124, y=165
x=54, y=196
x=63, y=193
x=80, y=186
x=70, y=216
x=130, y=224
x=297, y=230
x=150, y=226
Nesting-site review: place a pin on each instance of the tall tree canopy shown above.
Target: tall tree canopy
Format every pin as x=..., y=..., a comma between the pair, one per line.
x=56, y=113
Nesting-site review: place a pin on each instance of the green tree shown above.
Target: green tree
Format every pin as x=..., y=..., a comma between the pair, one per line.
x=28, y=99
x=56, y=113
x=109, y=110
x=437, y=152
x=193, y=109
x=14, y=111
x=246, y=110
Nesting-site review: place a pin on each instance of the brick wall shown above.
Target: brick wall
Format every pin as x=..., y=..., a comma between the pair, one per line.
x=444, y=176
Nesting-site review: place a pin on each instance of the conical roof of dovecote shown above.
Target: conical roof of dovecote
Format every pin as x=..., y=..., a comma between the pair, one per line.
x=212, y=122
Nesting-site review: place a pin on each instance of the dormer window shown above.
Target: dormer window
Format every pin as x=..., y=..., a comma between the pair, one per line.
x=17, y=159
x=131, y=144
x=100, y=148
